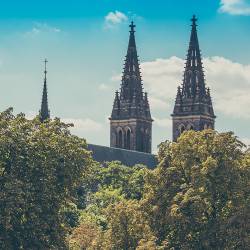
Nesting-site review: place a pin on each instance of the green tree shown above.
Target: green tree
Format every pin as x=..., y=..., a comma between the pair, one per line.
x=41, y=164
x=86, y=236
x=127, y=227
x=198, y=196
x=111, y=175
x=98, y=202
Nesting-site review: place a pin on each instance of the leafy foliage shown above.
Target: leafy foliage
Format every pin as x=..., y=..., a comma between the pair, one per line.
x=40, y=166
x=53, y=196
x=198, y=196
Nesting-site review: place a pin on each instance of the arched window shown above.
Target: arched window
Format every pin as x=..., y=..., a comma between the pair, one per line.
x=128, y=140
x=141, y=140
x=181, y=128
x=190, y=127
x=119, y=144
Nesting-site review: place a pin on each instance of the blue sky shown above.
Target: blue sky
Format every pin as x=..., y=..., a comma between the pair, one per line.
x=85, y=43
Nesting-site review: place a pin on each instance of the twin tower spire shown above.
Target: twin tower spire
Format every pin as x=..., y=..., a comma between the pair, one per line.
x=131, y=121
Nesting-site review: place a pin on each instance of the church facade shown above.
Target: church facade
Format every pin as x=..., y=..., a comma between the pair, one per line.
x=131, y=121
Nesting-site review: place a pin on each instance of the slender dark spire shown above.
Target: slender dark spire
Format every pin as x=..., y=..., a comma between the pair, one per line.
x=130, y=121
x=130, y=101
x=131, y=79
x=194, y=83
x=193, y=104
x=44, y=112
x=116, y=106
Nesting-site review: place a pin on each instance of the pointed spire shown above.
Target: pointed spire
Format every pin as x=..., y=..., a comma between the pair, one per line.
x=194, y=75
x=193, y=106
x=131, y=79
x=116, y=105
x=44, y=112
x=131, y=96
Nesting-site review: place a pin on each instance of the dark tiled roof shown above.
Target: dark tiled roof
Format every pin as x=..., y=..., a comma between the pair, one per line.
x=126, y=157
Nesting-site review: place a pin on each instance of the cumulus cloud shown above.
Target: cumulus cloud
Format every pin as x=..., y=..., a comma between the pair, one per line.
x=235, y=7
x=114, y=18
x=103, y=87
x=229, y=82
x=39, y=28
x=157, y=103
x=163, y=123
x=83, y=125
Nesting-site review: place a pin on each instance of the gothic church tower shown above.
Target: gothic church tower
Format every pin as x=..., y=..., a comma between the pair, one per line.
x=193, y=105
x=130, y=121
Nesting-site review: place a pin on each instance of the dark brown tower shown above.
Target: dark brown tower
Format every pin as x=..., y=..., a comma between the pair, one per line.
x=131, y=122
x=44, y=113
x=193, y=105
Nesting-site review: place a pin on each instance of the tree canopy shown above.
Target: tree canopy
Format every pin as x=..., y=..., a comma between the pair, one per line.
x=40, y=166
x=197, y=198
x=54, y=196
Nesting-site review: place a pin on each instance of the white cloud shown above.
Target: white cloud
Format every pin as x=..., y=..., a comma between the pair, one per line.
x=235, y=7
x=116, y=78
x=42, y=28
x=83, y=125
x=229, y=82
x=103, y=87
x=114, y=18
x=163, y=123
x=162, y=76
x=80, y=125
x=156, y=103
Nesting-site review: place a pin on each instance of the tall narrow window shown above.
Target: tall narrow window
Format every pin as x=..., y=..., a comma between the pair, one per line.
x=120, y=139
x=128, y=139
x=141, y=145
x=181, y=129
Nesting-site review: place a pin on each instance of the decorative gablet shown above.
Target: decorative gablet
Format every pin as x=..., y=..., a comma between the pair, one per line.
x=44, y=113
x=130, y=121
x=193, y=105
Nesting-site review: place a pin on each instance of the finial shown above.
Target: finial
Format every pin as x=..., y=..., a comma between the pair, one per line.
x=132, y=27
x=194, y=20
x=45, y=67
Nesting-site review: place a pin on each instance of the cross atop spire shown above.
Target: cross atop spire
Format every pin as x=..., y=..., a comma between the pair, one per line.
x=194, y=20
x=132, y=27
x=45, y=66
x=44, y=113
